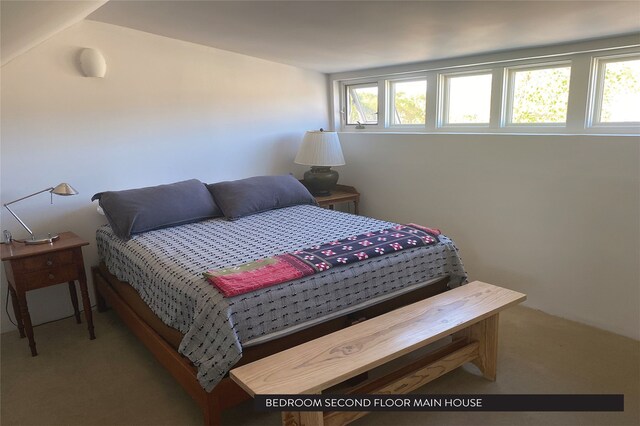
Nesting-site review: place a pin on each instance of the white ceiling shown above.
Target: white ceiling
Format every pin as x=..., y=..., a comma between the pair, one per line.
x=333, y=36
x=25, y=24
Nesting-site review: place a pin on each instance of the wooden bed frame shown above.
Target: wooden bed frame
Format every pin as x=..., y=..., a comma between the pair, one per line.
x=227, y=393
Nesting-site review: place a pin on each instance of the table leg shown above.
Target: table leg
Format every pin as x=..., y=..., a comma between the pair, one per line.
x=74, y=301
x=16, y=311
x=86, y=303
x=26, y=320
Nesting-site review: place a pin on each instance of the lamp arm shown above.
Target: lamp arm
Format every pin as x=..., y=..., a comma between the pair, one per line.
x=28, y=196
x=24, y=225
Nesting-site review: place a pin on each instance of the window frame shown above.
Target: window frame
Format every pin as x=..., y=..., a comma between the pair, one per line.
x=597, y=93
x=582, y=58
x=391, y=105
x=346, y=102
x=444, y=102
x=509, y=86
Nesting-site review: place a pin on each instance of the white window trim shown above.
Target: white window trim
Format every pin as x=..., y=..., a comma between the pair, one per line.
x=582, y=56
x=443, y=99
x=391, y=109
x=346, y=88
x=597, y=89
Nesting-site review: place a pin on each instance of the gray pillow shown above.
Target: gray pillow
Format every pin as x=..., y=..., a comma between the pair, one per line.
x=245, y=197
x=144, y=209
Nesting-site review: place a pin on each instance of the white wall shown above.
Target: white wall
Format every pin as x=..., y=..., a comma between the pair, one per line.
x=166, y=111
x=556, y=217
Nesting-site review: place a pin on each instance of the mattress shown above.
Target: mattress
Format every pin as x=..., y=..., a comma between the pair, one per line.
x=165, y=268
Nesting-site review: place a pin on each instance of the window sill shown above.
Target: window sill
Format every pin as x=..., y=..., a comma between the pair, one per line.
x=481, y=133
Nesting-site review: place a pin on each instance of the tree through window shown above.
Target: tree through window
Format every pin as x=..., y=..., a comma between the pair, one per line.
x=362, y=104
x=409, y=105
x=539, y=95
x=619, y=96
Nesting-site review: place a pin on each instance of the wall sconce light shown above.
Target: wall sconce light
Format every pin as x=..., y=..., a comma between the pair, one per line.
x=92, y=63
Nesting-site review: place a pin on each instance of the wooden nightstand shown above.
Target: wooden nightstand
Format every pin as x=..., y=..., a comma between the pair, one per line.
x=341, y=194
x=29, y=267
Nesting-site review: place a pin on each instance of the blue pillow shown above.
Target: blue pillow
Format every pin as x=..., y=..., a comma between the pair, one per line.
x=245, y=197
x=144, y=209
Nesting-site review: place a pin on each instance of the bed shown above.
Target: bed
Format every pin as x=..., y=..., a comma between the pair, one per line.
x=154, y=282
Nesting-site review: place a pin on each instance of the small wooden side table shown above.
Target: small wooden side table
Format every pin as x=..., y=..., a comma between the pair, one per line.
x=29, y=267
x=340, y=194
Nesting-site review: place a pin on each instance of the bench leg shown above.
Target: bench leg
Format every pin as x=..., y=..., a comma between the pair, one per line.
x=486, y=334
x=302, y=418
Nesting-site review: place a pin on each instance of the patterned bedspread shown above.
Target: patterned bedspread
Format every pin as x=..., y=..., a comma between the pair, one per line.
x=165, y=267
x=247, y=277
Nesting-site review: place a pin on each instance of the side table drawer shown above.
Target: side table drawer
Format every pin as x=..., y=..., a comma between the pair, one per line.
x=47, y=277
x=43, y=261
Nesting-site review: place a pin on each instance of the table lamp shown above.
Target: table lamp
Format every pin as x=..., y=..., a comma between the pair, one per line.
x=62, y=189
x=321, y=150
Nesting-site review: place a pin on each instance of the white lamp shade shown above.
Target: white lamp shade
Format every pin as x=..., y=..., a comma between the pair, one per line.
x=92, y=63
x=320, y=148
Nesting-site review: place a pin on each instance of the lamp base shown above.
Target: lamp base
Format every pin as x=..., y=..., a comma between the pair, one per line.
x=320, y=180
x=43, y=240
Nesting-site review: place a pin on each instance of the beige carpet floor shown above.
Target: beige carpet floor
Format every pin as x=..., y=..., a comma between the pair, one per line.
x=113, y=380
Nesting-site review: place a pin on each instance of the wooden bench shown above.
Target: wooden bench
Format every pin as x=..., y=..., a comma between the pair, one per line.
x=468, y=313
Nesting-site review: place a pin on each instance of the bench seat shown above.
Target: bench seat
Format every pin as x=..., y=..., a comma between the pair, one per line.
x=468, y=313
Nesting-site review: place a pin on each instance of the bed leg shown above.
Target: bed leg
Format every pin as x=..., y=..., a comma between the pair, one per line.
x=101, y=304
x=212, y=411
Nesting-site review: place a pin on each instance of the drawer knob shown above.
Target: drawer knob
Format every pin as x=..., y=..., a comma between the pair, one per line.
x=49, y=262
x=51, y=276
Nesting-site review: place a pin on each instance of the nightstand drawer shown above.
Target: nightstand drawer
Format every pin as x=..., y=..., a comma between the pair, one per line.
x=47, y=277
x=44, y=261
